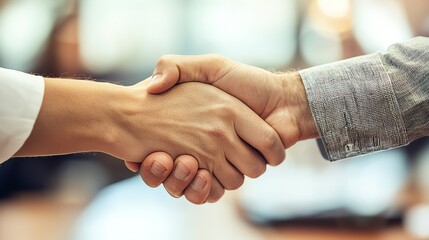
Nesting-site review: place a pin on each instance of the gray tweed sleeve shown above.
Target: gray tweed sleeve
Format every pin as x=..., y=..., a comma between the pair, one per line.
x=371, y=103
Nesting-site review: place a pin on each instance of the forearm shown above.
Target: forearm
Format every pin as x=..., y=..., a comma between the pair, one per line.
x=76, y=116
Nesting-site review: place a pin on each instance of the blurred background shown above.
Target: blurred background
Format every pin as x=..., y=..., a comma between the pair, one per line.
x=380, y=196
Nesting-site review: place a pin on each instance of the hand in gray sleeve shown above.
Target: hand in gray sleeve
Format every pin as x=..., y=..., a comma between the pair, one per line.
x=373, y=102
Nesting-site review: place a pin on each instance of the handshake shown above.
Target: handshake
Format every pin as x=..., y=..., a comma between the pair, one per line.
x=197, y=138
x=204, y=138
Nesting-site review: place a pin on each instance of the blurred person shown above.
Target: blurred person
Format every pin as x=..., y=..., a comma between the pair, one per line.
x=42, y=116
x=356, y=106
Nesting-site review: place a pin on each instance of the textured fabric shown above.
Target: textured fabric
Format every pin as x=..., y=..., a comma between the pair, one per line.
x=373, y=102
x=21, y=97
x=407, y=65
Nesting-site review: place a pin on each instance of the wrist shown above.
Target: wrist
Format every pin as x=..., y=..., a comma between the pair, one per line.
x=114, y=131
x=128, y=120
x=293, y=89
x=106, y=131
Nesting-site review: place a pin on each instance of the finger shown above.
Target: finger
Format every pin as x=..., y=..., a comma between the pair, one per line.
x=200, y=187
x=229, y=176
x=156, y=168
x=132, y=166
x=185, y=168
x=216, y=191
x=246, y=159
x=256, y=132
x=173, y=69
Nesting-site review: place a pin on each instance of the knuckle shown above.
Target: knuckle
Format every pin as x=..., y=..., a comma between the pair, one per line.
x=219, y=132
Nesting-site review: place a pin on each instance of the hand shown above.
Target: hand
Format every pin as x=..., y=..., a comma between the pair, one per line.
x=278, y=98
x=224, y=135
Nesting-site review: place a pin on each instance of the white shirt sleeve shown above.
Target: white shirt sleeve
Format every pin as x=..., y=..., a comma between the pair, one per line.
x=21, y=97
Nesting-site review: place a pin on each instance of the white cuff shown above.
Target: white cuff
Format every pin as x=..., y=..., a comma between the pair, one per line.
x=21, y=97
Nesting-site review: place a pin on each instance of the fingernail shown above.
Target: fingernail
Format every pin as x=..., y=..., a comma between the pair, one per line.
x=199, y=183
x=155, y=78
x=181, y=171
x=157, y=169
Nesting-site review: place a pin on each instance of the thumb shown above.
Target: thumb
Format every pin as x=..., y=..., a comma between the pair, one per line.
x=174, y=69
x=164, y=78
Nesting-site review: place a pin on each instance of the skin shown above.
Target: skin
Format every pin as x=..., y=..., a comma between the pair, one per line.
x=279, y=99
x=198, y=125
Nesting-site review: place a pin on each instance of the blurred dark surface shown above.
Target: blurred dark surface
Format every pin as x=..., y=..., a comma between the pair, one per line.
x=42, y=174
